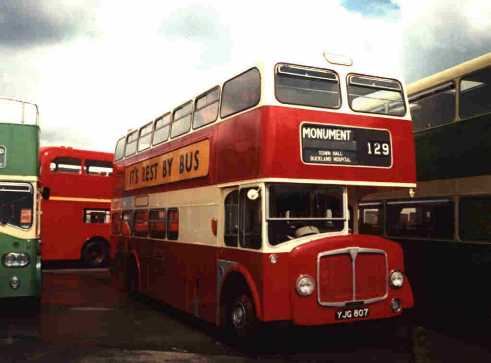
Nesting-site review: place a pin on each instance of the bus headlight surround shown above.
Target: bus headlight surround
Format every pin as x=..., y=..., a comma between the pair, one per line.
x=16, y=259
x=305, y=285
x=396, y=279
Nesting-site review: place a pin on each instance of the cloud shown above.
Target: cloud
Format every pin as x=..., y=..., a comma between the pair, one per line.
x=371, y=7
x=442, y=33
x=26, y=23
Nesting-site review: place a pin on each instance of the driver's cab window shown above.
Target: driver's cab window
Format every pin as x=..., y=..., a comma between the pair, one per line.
x=243, y=216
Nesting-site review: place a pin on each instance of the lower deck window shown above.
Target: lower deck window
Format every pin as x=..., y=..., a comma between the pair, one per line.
x=16, y=204
x=421, y=219
x=157, y=223
x=475, y=218
x=99, y=216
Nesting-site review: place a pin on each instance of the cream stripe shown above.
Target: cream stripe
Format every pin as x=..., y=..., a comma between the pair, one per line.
x=22, y=178
x=75, y=199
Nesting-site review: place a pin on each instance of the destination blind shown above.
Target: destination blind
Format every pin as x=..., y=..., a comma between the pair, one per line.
x=340, y=145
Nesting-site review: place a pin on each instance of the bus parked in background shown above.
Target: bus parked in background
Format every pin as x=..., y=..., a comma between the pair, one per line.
x=445, y=229
x=76, y=217
x=235, y=206
x=20, y=265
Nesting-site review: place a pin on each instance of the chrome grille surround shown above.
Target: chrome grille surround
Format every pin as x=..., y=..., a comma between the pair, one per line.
x=353, y=252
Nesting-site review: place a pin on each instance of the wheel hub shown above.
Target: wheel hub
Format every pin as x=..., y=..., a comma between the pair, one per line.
x=239, y=315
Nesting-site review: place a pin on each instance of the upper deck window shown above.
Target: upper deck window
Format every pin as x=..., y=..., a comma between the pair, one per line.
x=16, y=204
x=241, y=92
x=182, y=119
x=433, y=107
x=206, y=108
x=307, y=86
x=475, y=93
x=375, y=95
x=98, y=167
x=162, y=126
x=119, y=152
x=131, y=143
x=66, y=165
x=297, y=210
x=145, y=139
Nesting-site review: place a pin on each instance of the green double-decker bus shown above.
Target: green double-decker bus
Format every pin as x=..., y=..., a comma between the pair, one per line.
x=20, y=253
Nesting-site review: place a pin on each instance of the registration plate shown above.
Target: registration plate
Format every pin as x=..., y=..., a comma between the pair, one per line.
x=354, y=313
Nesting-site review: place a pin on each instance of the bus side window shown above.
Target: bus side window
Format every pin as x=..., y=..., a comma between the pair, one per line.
x=474, y=93
x=249, y=220
x=98, y=216
x=371, y=219
x=475, y=218
x=157, y=223
x=206, y=108
x=119, y=151
x=131, y=143
x=98, y=167
x=181, y=120
x=173, y=223
x=141, y=223
x=145, y=138
x=241, y=92
x=231, y=236
x=162, y=127
x=66, y=165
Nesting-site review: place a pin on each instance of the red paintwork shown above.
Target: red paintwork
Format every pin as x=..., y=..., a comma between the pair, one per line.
x=63, y=232
x=265, y=143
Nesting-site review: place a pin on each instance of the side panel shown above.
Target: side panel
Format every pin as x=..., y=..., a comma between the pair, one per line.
x=29, y=276
x=21, y=143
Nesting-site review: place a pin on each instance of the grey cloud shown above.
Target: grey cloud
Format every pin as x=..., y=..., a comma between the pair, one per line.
x=26, y=23
x=434, y=45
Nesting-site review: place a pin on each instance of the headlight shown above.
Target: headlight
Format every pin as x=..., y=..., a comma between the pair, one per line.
x=396, y=279
x=305, y=285
x=14, y=259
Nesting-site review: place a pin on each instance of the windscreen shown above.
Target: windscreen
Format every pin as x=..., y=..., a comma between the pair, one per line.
x=298, y=210
x=16, y=204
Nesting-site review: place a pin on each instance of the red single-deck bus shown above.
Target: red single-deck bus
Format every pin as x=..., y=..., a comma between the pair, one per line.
x=236, y=205
x=75, y=220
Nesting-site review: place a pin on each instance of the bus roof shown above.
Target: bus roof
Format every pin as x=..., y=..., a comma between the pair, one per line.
x=449, y=74
x=76, y=153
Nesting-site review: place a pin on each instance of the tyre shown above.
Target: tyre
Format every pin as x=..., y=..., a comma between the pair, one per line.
x=95, y=254
x=241, y=319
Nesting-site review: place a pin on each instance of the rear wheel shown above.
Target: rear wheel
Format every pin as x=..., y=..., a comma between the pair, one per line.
x=95, y=253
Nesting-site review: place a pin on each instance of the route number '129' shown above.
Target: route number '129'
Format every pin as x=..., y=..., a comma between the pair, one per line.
x=378, y=148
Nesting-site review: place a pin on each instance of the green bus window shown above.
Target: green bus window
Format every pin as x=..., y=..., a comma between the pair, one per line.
x=475, y=93
x=434, y=107
x=421, y=219
x=16, y=204
x=475, y=218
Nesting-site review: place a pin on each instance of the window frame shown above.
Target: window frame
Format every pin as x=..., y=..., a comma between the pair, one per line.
x=78, y=164
x=152, y=220
x=141, y=135
x=462, y=78
x=131, y=134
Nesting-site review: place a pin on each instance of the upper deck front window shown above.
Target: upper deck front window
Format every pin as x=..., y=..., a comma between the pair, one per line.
x=16, y=204
x=307, y=86
x=375, y=95
x=297, y=210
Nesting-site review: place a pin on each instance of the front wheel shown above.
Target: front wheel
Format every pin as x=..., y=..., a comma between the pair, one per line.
x=241, y=316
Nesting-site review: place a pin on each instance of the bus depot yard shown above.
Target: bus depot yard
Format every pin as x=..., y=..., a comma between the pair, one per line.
x=84, y=319
x=363, y=241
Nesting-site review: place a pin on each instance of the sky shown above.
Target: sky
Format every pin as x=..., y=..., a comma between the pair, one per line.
x=97, y=68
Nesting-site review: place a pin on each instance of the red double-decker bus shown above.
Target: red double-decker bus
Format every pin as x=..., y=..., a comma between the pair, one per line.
x=75, y=221
x=236, y=206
